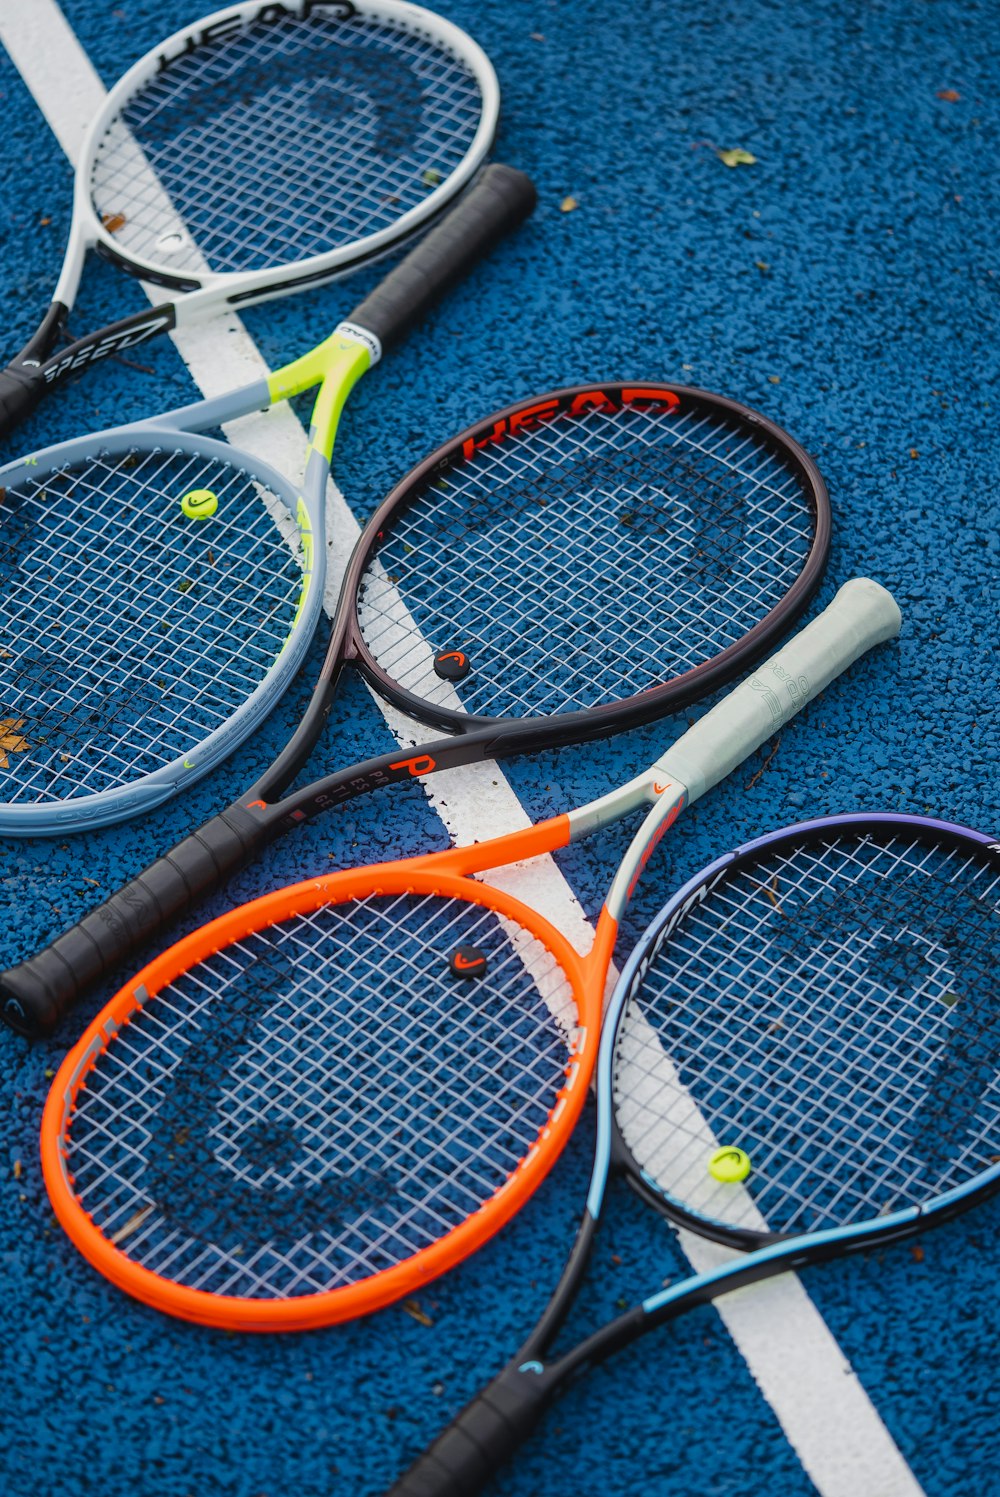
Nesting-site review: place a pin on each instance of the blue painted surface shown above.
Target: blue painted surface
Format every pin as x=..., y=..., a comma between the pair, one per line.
x=846, y=286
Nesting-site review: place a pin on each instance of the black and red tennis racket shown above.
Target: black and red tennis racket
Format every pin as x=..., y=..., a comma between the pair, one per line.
x=571, y=565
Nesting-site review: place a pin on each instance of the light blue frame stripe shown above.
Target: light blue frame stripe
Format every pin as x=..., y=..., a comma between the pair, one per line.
x=797, y=1250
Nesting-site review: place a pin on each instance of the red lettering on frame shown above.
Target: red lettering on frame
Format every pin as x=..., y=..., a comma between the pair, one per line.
x=592, y=400
x=652, y=397
x=472, y=445
x=532, y=413
x=418, y=765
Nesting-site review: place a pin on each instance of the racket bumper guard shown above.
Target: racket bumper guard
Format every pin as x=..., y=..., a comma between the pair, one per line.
x=482, y=1437
x=35, y=996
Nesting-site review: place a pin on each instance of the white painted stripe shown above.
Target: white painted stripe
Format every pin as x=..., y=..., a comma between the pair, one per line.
x=819, y=1402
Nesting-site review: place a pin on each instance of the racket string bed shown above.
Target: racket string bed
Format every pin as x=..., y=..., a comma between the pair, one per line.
x=127, y=631
x=223, y=158
x=832, y=1012
x=261, y=1128
x=646, y=543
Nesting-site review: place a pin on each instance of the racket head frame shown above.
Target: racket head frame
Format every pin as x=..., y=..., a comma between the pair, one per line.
x=498, y=737
x=209, y=290
x=613, y=1154
x=516, y=735
x=438, y=874
x=182, y=431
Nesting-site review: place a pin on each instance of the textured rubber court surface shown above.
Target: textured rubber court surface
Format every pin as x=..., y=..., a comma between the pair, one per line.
x=846, y=285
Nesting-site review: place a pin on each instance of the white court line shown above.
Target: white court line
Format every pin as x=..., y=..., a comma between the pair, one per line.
x=817, y=1398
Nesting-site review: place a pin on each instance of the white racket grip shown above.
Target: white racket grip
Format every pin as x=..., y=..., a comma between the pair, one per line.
x=861, y=615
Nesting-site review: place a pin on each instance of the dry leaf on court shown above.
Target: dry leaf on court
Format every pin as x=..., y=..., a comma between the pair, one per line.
x=11, y=741
x=736, y=157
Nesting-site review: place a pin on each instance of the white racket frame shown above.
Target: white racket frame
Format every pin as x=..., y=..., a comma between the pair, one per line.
x=214, y=289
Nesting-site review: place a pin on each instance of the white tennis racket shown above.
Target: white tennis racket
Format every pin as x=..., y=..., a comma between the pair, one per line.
x=266, y=148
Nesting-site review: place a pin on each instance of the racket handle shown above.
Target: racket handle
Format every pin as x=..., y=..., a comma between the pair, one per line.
x=500, y=198
x=861, y=615
x=479, y=1440
x=35, y=996
x=22, y=383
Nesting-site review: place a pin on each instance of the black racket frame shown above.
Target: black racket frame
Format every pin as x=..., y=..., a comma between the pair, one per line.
x=39, y=992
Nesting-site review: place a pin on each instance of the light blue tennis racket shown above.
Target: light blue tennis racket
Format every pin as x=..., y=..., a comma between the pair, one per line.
x=159, y=588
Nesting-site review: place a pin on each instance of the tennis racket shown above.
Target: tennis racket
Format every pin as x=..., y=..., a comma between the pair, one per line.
x=566, y=567
x=818, y=1006
x=266, y=148
x=159, y=588
x=323, y=1098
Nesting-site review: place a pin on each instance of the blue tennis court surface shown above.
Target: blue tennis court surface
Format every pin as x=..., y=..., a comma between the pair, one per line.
x=845, y=284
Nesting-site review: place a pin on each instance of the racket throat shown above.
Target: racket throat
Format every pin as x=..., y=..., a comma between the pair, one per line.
x=111, y=340
x=532, y=1353
x=43, y=340
x=22, y=383
x=340, y=359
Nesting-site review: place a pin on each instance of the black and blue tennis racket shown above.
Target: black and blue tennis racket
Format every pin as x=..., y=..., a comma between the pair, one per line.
x=800, y=1060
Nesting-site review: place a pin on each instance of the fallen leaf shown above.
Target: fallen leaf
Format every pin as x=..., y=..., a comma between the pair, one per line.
x=11, y=741
x=412, y=1307
x=568, y=204
x=736, y=157
x=113, y=222
x=950, y=95
x=132, y=1225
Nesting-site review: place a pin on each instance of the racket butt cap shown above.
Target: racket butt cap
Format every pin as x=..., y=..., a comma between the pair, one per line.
x=27, y=1004
x=35, y=996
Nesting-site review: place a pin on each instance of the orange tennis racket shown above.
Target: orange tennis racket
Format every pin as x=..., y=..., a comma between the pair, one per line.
x=324, y=1098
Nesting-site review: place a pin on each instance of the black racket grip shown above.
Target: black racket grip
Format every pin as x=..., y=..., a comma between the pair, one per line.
x=22, y=383
x=480, y=1439
x=20, y=391
x=35, y=996
x=498, y=201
